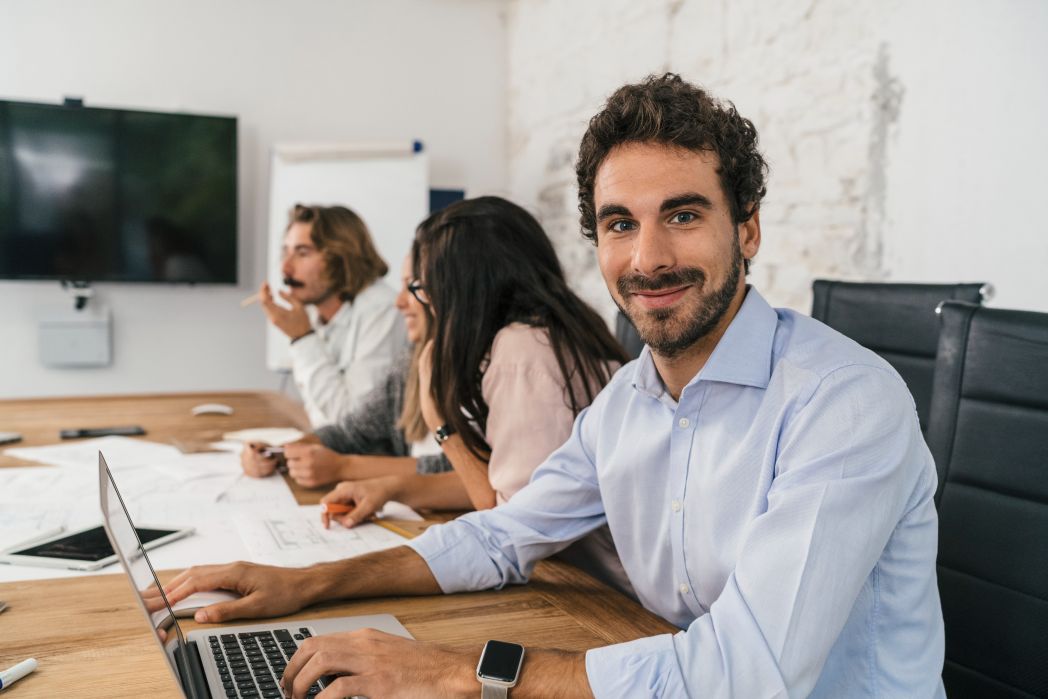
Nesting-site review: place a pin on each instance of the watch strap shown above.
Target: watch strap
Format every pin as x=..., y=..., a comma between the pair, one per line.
x=493, y=691
x=443, y=433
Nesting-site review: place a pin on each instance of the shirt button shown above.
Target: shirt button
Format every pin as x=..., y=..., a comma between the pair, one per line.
x=683, y=422
x=675, y=505
x=683, y=589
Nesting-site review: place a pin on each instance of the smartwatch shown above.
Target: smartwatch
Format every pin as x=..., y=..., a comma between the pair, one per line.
x=499, y=668
x=443, y=433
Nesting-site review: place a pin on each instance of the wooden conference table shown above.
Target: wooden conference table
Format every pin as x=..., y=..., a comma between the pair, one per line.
x=91, y=640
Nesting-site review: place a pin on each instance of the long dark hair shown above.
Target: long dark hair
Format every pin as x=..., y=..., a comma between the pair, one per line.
x=486, y=263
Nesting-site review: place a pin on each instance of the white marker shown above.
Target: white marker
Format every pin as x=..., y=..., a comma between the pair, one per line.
x=17, y=672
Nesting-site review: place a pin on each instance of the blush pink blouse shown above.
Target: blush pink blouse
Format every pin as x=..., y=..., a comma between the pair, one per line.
x=529, y=415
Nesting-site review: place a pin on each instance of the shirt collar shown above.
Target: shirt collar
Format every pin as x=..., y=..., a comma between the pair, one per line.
x=743, y=356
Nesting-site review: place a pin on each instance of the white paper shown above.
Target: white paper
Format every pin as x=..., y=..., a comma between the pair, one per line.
x=297, y=538
x=52, y=484
x=272, y=492
x=120, y=452
x=180, y=492
x=274, y=436
x=22, y=523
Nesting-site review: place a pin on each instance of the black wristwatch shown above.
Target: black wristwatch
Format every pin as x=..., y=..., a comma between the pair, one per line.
x=499, y=668
x=443, y=433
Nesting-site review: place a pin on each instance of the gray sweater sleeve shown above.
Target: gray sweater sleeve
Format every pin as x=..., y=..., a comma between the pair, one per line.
x=372, y=430
x=433, y=463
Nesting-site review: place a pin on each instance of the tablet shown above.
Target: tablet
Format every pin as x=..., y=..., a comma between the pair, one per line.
x=86, y=549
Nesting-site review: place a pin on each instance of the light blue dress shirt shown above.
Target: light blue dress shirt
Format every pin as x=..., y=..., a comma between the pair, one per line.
x=780, y=513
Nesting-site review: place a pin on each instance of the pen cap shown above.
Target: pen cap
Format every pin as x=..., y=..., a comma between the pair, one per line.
x=17, y=672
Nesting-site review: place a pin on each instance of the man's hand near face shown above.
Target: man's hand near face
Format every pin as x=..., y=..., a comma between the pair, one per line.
x=294, y=321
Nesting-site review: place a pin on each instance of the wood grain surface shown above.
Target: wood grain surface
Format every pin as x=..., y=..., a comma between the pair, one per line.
x=91, y=639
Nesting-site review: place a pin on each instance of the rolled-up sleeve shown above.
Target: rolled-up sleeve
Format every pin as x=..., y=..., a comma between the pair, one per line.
x=646, y=667
x=500, y=546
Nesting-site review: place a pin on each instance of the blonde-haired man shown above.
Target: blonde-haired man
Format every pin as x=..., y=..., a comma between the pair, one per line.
x=344, y=329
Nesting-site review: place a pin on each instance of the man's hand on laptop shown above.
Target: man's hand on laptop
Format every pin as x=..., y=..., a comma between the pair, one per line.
x=267, y=590
x=377, y=664
x=151, y=598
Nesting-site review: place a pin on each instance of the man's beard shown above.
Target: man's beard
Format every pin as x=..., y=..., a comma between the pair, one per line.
x=312, y=300
x=667, y=336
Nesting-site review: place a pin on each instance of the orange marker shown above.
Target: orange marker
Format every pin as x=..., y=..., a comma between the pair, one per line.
x=336, y=508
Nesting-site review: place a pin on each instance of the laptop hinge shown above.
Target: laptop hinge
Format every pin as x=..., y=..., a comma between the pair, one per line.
x=191, y=672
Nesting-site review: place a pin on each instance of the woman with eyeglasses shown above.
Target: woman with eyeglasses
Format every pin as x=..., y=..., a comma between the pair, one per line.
x=515, y=355
x=385, y=435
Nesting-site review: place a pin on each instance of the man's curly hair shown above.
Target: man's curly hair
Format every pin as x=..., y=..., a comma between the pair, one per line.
x=666, y=109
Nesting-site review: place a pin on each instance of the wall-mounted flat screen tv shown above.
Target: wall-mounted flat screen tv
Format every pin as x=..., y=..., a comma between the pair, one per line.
x=116, y=195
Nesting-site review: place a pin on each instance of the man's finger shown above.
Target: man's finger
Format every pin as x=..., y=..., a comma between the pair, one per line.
x=298, y=661
x=295, y=303
x=346, y=686
x=203, y=579
x=330, y=657
x=224, y=611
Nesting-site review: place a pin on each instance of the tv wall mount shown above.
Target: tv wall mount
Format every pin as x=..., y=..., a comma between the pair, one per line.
x=80, y=291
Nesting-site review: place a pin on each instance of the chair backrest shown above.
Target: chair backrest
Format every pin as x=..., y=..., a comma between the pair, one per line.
x=627, y=336
x=989, y=436
x=897, y=321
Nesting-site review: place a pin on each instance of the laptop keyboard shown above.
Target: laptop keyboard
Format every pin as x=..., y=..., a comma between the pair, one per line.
x=250, y=664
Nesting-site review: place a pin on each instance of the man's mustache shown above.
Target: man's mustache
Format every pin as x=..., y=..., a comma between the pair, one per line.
x=632, y=283
x=292, y=282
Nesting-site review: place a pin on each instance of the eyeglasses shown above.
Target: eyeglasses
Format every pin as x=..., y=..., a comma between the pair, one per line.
x=418, y=291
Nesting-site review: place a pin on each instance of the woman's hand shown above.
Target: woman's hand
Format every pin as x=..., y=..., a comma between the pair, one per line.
x=314, y=465
x=430, y=411
x=362, y=498
x=254, y=463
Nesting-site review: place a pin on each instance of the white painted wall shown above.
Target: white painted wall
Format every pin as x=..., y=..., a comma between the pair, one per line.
x=906, y=140
x=966, y=172
x=317, y=70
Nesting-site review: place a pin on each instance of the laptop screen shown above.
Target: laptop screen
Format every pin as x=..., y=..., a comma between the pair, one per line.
x=133, y=557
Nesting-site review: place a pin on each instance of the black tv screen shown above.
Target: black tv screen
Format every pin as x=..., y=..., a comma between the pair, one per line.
x=92, y=194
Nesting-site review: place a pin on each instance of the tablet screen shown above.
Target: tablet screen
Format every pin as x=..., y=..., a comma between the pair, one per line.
x=90, y=545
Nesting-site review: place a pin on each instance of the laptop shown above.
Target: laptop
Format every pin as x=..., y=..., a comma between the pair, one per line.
x=239, y=661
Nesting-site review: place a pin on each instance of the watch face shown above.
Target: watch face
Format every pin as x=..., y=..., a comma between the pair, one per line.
x=501, y=661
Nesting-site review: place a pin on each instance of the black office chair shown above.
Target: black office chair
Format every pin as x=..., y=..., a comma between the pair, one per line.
x=989, y=436
x=627, y=336
x=897, y=321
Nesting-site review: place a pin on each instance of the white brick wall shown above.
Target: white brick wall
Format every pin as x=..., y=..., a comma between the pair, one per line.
x=817, y=79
